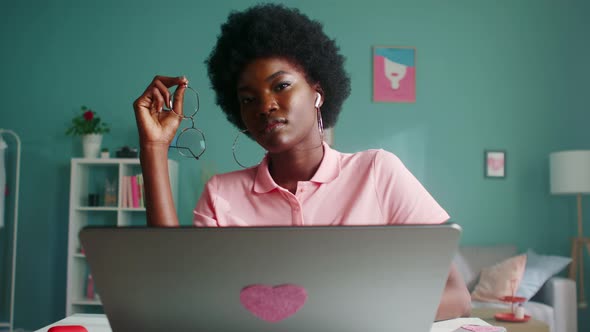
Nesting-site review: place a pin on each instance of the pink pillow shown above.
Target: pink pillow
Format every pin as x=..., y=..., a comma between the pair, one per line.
x=499, y=280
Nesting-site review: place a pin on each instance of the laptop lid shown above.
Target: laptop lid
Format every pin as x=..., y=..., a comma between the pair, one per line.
x=357, y=278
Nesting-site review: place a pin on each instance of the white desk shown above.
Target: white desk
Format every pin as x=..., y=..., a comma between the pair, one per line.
x=99, y=323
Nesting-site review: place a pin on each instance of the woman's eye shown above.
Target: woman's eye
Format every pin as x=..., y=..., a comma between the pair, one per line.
x=282, y=86
x=245, y=100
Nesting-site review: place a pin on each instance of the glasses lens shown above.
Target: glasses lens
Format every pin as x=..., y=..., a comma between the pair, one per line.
x=190, y=103
x=191, y=143
x=246, y=151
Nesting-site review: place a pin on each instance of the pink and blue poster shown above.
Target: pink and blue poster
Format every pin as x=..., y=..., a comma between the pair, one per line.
x=394, y=74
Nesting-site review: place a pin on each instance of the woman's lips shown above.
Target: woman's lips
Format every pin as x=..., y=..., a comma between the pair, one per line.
x=273, y=126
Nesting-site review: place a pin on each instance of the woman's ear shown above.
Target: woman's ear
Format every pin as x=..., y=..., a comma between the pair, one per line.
x=319, y=101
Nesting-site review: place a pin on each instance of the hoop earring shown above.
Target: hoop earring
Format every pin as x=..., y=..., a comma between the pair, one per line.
x=234, y=146
x=320, y=124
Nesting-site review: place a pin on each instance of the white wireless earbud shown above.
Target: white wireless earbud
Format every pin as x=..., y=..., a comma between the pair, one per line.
x=318, y=99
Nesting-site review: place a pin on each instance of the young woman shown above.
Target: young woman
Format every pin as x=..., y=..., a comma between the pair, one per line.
x=281, y=80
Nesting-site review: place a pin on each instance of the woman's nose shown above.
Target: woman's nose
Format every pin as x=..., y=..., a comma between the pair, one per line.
x=268, y=105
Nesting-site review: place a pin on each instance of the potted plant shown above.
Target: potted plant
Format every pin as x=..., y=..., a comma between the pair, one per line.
x=104, y=153
x=90, y=127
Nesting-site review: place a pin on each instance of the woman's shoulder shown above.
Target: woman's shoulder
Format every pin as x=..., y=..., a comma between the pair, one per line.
x=241, y=175
x=378, y=157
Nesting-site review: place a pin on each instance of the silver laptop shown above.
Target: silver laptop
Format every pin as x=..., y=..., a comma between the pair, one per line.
x=341, y=279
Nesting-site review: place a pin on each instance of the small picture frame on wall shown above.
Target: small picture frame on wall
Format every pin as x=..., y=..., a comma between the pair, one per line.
x=394, y=74
x=495, y=164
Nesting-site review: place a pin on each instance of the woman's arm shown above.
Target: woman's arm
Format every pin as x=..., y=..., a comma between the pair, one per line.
x=156, y=130
x=159, y=204
x=455, y=301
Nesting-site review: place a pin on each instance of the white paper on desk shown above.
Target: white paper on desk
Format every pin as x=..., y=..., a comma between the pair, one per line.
x=455, y=324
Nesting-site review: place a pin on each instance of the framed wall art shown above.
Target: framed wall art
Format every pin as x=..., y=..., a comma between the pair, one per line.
x=394, y=74
x=495, y=163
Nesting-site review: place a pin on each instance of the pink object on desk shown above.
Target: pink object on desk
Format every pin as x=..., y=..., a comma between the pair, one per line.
x=68, y=328
x=510, y=317
x=273, y=304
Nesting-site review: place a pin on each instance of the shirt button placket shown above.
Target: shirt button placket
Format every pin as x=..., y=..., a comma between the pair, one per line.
x=297, y=215
x=297, y=208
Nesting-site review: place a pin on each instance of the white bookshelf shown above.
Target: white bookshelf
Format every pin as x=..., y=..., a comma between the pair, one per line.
x=88, y=176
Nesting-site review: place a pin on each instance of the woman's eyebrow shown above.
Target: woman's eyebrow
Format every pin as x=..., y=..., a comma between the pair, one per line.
x=278, y=73
x=268, y=79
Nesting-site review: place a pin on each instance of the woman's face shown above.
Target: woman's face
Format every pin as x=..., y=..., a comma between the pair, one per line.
x=277, y=105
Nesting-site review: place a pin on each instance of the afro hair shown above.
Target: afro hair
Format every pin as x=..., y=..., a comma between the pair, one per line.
x=271, y=30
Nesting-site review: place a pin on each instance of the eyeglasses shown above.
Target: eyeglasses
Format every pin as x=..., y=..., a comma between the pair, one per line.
x=190, y=142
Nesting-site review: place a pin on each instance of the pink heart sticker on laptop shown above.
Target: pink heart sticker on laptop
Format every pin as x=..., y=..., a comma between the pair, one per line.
x=273, y=304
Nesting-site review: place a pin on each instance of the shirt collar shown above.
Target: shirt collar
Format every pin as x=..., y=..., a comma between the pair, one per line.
x=329, y=170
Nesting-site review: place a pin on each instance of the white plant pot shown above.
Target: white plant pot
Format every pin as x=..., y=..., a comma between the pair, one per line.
x=91, y=145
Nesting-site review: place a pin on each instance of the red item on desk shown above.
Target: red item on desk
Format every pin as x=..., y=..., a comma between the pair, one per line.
x=509, y=317
x=513, y=299
x=68, y=328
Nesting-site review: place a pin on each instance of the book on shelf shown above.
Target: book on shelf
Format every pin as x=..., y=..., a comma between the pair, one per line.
x=90, y=295
x=141, y=191
x=129, y=192
x=133, y=191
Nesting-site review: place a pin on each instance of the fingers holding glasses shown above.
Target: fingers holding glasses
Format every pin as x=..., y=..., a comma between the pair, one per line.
x=160, y=96
x=159, y=112
x=163, y=83
x=154, y=123
x=178, y=100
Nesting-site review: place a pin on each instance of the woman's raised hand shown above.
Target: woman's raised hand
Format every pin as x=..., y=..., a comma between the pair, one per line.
x=156, y=126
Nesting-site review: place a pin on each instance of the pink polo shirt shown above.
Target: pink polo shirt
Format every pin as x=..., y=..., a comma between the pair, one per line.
x=372, y=187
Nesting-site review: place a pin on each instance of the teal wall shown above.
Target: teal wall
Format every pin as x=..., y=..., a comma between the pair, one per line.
x=491, y=74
